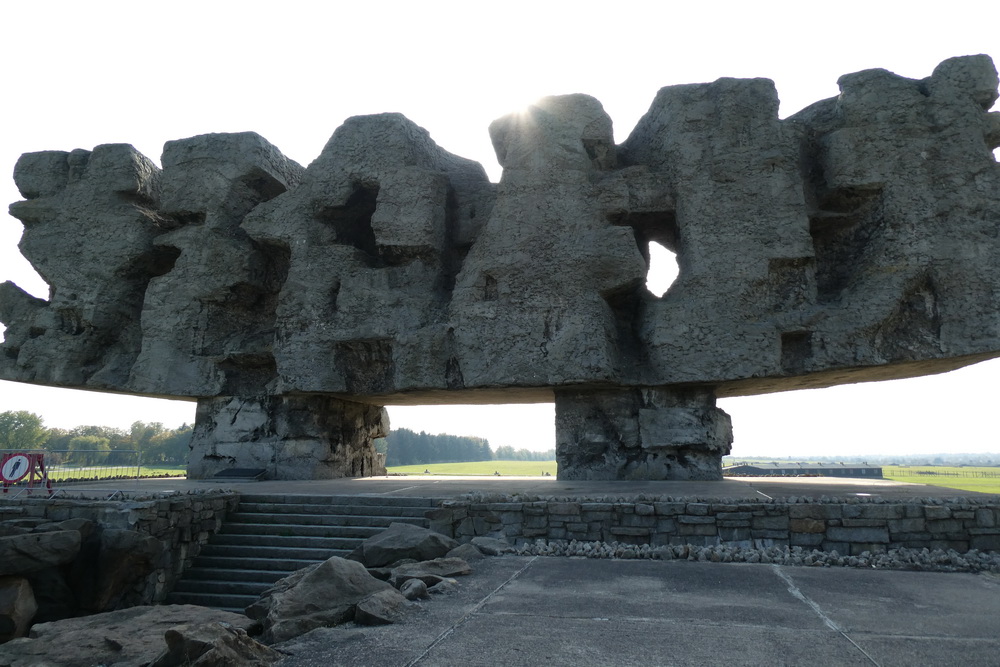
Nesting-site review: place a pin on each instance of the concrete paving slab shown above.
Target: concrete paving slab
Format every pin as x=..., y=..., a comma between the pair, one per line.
x=519, y=610
x=936, y=651
x=527, y=640
x=910, y=604
x=679, y=591
x=436, y=486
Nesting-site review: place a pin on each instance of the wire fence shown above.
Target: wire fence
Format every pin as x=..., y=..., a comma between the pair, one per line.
x=49, y=472
x=949, y=473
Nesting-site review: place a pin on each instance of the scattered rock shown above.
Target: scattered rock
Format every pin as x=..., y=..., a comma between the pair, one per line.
x=491, y=546
x=444, y=587
x=125, y=638
x=466, y=552
x=413, y=589
x=402, y=540
x=431, y=571
x=381, y=608
x=216, y=644
x=936, y=560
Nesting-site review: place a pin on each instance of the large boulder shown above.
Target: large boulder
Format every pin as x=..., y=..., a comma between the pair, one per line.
x=125, y=638
x=320, y=595
x=17, y=607
x=214, y=644
x=31, y=552
x=400, y=541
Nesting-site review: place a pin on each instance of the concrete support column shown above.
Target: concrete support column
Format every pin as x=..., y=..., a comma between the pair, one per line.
x=292, y=437
x=658, y=433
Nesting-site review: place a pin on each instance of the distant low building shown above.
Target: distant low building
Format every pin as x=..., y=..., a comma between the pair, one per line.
x=791, y=469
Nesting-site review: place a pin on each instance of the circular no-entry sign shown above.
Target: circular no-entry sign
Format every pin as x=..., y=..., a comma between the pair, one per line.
x=15, y=467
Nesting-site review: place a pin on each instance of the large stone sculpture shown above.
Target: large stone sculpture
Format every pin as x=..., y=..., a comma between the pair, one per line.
x=857, y=240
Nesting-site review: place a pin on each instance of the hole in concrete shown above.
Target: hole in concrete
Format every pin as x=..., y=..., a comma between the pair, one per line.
x=658, y=239
x=352, y=222
x=796, y=351
x=662, y=269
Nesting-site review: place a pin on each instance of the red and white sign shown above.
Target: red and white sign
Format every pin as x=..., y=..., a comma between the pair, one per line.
x=15, y=467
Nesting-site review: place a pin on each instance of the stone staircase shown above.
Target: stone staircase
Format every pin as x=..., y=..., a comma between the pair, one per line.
x=271, y=536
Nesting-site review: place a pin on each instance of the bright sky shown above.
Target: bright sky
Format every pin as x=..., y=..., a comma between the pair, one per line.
x=77, y=74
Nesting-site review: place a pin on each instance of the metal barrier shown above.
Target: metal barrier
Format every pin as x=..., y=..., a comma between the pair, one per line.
x=51, y=472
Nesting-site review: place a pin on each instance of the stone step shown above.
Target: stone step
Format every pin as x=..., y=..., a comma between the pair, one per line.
x=311, y=508
x=212, y=550
x=380, y=522
x=287, y=542
x=252, y=588
x=284, y=565
x=307, y=499
x=295, y=530
x=218, y=574
x=272, y=535
x=228, y=602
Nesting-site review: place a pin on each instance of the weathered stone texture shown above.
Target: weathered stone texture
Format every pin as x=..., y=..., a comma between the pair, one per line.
x=856, y=240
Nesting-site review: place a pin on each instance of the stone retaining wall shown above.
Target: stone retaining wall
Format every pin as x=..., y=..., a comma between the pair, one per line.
x=183, y=523
x=849, y=527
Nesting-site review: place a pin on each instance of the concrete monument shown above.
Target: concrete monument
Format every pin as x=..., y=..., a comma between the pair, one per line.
x=856, y=240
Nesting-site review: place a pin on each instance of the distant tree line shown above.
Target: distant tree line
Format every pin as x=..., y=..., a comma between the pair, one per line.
x=91, y=445
x=405, y=447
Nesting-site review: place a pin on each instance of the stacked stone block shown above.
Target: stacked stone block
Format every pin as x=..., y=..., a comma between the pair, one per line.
x=848, y=527
x=183, y=523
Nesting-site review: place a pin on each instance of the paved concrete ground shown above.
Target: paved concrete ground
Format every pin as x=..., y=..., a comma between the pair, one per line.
x=439, y=486
x=575, y=612
x=568, y=611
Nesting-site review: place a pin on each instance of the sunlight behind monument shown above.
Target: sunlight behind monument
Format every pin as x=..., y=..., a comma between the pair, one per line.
x=853, y=241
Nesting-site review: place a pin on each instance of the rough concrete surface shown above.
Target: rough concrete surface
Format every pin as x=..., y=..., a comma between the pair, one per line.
x=559, y=611
x=856, y=240
x=430, y=486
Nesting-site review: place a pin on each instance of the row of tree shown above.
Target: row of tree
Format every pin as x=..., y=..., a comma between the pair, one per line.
x=405, y=447
x=92, y=445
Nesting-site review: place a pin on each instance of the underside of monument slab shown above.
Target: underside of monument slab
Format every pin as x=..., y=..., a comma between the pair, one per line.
x=856, y=240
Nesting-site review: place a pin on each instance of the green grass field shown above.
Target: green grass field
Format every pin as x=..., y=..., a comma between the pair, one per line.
x=951, y=477
x=508, y=468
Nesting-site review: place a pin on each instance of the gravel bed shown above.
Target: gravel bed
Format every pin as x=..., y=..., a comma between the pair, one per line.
x=923, y=560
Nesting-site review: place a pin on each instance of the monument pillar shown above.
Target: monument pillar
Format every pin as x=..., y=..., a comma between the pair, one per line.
x=604, y=434
x=290, y=436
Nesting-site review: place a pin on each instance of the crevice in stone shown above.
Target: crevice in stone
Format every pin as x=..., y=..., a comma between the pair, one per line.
x=366, y=365
x=352, y=222
x=490, y=291
x=627, y=307
x=454, y=254
x=913, y=332
x=453, y=368
x=158, y=261
x=841, y=228
x=265, y=186
x=790, y=283
x=796, y=351
x=248, y=374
